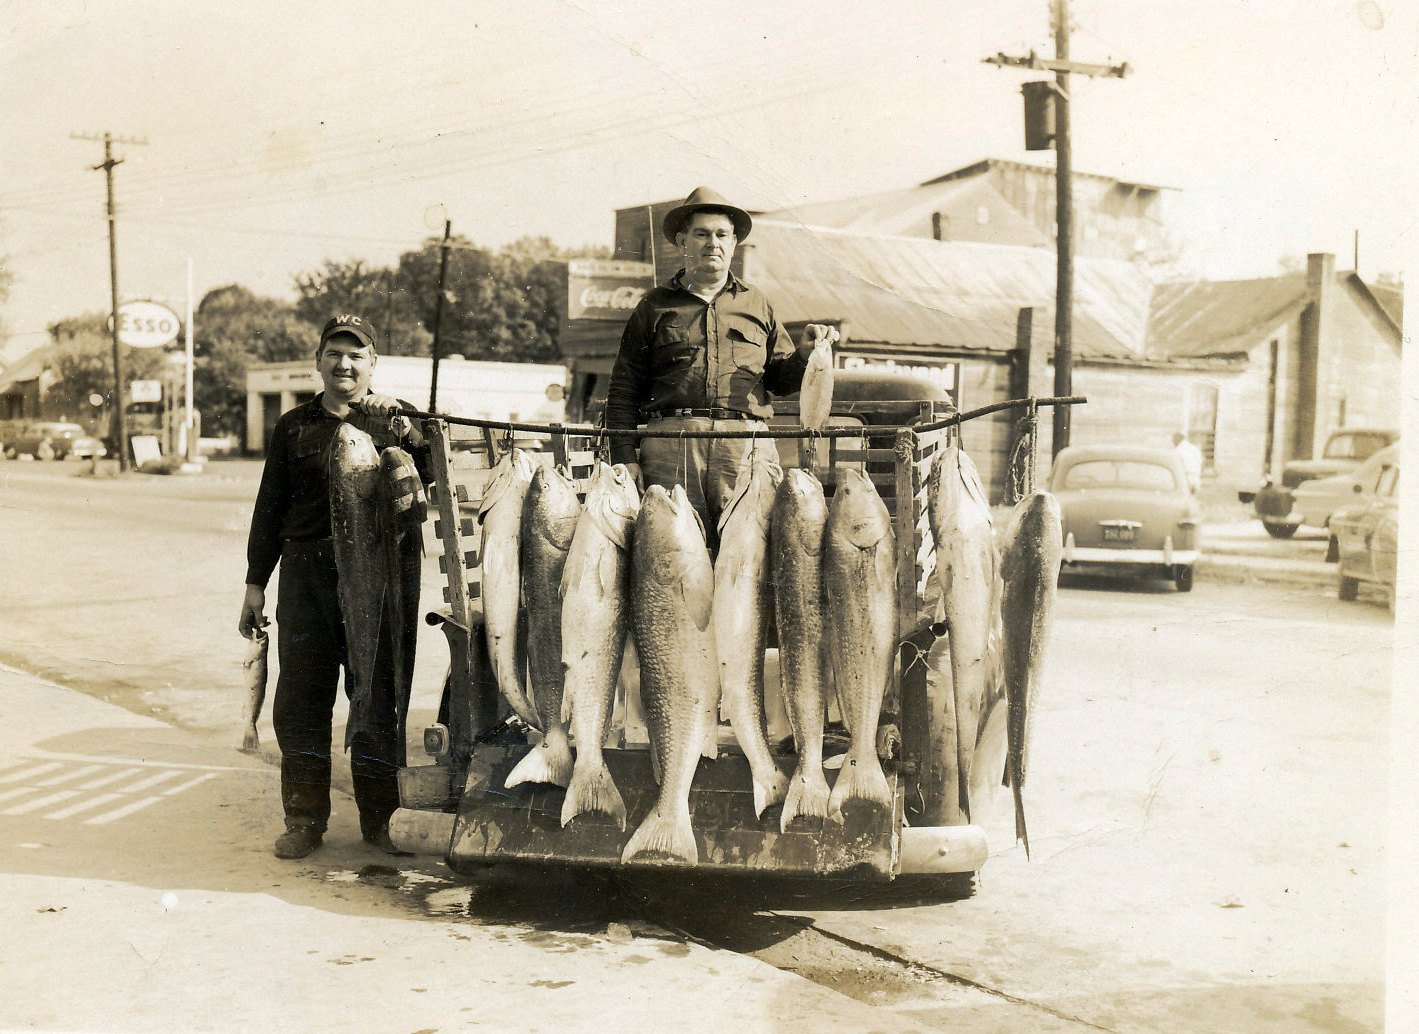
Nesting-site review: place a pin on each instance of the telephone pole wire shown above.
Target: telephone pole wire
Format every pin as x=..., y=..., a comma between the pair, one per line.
x=1062, y=67
x=120, y=425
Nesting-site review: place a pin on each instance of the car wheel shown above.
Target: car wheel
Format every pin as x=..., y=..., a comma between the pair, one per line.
x=1279, y=531
x=1348, y=588
x=10, y=452
x=1182, y=578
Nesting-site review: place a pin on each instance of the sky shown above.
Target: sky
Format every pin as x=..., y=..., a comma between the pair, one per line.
x=280, y=135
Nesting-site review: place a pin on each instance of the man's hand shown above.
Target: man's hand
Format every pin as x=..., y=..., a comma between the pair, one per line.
x=253, y=611
x=815, y=332
x=634, y=469
x=379, y=405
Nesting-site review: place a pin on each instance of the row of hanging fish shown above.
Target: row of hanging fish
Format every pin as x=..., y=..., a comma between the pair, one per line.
x=588, y=577
x=997, y=603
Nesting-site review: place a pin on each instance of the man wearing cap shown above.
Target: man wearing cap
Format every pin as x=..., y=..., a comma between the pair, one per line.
x=290, y=523
x=702, y=352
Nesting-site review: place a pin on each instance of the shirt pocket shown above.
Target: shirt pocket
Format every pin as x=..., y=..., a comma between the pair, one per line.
x=748, y=343
x=673, y=350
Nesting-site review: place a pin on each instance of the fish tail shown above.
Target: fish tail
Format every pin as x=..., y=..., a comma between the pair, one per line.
x=770, y=787
x=664, y=833
x=548, y=762
x=593, y=789
x=807, y=796
x=1021, y=833
x=861, y=778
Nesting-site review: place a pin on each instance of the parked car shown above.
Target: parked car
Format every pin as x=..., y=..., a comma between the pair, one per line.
x=1367, y=535
x=1344, y=451
x=1127, y=508
x=54, y=440
x=1315, y=500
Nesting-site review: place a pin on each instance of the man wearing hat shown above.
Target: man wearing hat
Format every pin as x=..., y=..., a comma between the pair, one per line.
x=702, y=352
x=290, y=523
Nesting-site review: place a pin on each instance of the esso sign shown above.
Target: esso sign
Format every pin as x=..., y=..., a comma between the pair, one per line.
x=147, y=325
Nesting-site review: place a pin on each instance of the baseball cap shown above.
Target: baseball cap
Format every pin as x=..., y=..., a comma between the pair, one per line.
x=349, y=323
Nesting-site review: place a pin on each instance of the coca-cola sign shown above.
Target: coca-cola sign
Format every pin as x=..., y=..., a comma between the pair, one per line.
x=603, y=289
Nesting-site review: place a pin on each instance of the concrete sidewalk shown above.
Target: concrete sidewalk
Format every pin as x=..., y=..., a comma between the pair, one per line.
x=141, y=894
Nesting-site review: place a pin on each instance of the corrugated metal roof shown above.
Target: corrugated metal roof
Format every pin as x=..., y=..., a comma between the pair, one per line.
x=908, y=291
x=1190, y=319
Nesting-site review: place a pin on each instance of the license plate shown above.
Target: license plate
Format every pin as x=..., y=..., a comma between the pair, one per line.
x=1113, y=533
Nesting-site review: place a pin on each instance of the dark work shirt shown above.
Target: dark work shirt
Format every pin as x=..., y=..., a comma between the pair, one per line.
x=293, y=502
x=679, y=351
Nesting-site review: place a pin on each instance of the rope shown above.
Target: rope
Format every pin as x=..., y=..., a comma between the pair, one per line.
x=1023, y=456
x=869, y=430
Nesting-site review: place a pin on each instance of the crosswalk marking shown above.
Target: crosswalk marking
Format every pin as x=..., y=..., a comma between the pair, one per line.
x=194, y=781
x=19, y=791
x=91, y=803
x=65, y=777
x=40, y=802
x=122, y=773
x=27, y=773
x=118, y=813
x=152, y=780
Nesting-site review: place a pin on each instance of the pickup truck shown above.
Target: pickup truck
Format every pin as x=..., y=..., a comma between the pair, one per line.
x=1274, y=502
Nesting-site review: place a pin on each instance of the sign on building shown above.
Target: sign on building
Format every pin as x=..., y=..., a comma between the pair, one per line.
x=146, y=391
x=605, y=289
x=144, y=324
x=943, y=373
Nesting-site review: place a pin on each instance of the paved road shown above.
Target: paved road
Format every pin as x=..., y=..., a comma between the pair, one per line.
x=1206, y=804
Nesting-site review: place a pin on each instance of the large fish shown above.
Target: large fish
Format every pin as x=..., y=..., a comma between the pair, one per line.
x=595, y=616
x=501, y=576
x=966, y=569
x=796, y=567
x=672, y=598
x=859, y=577
x=403, y=510
x=549, y=519
x=362, y=565
x=255, y=668
x=741, y=615
x=1030, y=569
x=815, y=399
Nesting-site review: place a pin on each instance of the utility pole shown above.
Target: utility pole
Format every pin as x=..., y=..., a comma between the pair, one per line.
x=1062, y=67
x=107, y=165
x=438, y=317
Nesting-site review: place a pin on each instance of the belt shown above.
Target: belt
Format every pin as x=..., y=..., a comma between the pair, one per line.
x=709, y=414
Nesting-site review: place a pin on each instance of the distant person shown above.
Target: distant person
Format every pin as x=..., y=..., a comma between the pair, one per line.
x=290, y=523
x=702, y=352
x=1191, y=457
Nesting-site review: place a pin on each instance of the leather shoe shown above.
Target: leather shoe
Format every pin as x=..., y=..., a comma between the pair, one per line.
x=381, y=840
x=297, y=842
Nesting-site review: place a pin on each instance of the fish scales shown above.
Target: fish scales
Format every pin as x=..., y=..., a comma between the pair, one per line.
x=500, y=573
x=859, y=575
x=595, y=619
x=254, y=668
x=1030, y=573
x=403, y=510
x=815, y=399
x=672, y=590
x=742, y=600
x=361, y=564
x=798, y=519
x=549, y=519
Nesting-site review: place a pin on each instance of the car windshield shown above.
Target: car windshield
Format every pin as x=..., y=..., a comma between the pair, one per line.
x=1120, y=474
x=1359, y=446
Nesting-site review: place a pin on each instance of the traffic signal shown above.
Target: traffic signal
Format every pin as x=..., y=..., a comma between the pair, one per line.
x=1039, y=114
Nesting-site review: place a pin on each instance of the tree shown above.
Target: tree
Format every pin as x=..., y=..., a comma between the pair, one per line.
x=233, y=329
x=380, y=294
x=83, y=365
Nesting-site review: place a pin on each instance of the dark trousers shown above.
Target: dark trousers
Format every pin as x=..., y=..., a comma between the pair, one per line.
x=311, y=648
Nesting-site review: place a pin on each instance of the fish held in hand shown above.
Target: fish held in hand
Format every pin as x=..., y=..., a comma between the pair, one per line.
x=403, y=509
x=361, y=563
x=595, y=618
x=254, y=668
x=549, y=520
x=815, y=399
x=1030, y=563
x=799, y=517
x=501, y=575
x=859, y=575
x=672, y=597
x=741, y=616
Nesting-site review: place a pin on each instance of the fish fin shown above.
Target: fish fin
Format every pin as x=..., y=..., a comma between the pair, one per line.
x=699, y=602
x=664, y=834
x=593, y=789
x=548, y=762
x=860, y=778
x=769, y=791
x=807, y=797
x=1021, y=833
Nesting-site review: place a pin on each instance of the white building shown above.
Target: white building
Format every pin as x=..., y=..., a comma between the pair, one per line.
x=529, y=392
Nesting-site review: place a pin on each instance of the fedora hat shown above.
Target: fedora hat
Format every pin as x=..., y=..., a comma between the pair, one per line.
x=702, y=199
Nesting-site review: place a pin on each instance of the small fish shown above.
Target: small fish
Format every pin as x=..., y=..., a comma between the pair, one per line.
x=800, y=514
x=255, y=668
x=360, y=562
x=741, y=616
x=501, y=574
x=596, y=601
x=859, y=576
x=549, y=519
x=966, y=568
x=672, y=599
x=1030, y=560
x=815, y=399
